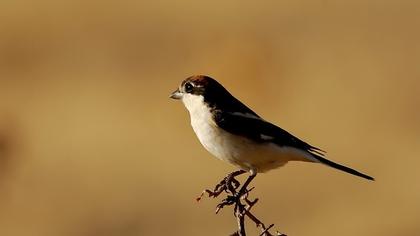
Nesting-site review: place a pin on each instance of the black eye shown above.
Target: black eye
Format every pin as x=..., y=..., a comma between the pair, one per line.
x=188, y=87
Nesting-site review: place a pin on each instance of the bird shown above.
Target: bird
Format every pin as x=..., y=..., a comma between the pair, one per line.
x=234, y=133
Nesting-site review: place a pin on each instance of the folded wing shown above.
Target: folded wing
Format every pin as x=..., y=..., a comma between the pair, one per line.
x=255, y=128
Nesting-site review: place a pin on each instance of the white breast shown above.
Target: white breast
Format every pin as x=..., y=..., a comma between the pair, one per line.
x=218, y=142
x=237, y=150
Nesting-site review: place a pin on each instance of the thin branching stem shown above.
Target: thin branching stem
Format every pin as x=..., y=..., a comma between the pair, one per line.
x=240, y=200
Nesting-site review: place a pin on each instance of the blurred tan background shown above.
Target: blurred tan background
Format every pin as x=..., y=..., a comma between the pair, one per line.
x=90, y=144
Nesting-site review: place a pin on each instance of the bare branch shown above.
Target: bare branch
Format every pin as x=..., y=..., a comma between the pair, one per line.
x=242, y=205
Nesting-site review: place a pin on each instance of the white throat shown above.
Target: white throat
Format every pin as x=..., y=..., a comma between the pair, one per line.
x=195, y=104
x=203, y=124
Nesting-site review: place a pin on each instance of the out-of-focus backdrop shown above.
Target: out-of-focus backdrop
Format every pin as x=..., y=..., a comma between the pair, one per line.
x=90, y=143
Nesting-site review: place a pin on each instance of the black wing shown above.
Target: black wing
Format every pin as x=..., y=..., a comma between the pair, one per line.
x=260, y=130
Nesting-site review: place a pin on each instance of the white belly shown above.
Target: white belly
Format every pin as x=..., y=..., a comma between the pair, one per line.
x=239, y=151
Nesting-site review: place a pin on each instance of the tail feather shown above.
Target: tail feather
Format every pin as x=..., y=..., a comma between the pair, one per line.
x=341, y=167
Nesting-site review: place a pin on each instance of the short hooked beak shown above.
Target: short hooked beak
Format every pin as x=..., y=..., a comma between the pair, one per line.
x=176, y=95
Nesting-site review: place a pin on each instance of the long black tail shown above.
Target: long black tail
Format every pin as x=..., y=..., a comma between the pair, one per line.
x=341, y=167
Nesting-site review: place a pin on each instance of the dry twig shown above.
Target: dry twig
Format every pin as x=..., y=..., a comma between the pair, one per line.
x=240, y=200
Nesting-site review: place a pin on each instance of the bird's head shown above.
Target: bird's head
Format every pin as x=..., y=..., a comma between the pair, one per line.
x=197, y=85
x=199, y=91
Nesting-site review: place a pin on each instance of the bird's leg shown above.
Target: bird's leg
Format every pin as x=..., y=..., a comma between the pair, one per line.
x=244, y=187
x=228, y=183
x=231, y=183
x=236, y=196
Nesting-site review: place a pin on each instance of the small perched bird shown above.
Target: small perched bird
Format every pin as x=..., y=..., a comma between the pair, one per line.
x=234, y=133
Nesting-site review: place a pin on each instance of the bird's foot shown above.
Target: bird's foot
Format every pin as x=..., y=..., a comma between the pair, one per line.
x=227, y=184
